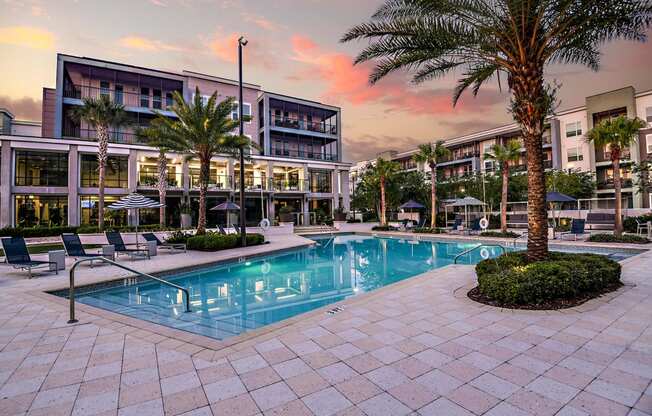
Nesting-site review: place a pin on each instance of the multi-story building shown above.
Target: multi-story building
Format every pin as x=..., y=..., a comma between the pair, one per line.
x=564, y=146
x=49, y=169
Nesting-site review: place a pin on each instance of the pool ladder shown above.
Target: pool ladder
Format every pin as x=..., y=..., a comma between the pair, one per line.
x=477, y=247
x=71, y=293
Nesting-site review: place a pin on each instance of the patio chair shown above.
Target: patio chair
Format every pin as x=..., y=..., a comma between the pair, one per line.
x=160, y=244
x=221, y=230
x=577, y=228
x=456, y=225
x=115, y=239
x=17, y=255
x=74, y=248
x=236, y=228
x=642, y=227
x=475, y=227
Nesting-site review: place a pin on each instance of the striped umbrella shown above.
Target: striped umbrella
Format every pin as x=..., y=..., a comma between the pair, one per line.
x=135, y=201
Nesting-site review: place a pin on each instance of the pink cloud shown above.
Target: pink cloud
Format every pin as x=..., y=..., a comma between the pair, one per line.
x=225, y=47
x=350, y=83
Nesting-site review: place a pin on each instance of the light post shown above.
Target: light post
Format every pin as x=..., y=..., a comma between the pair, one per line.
x=243, y=221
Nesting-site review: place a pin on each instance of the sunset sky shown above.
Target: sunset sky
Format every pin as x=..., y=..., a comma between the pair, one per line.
x=293, y=49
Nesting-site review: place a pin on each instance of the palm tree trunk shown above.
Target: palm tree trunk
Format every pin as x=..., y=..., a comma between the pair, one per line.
x=162, y=186
x=433, y=196
x=102, y=156
x=204, y=173
x=383, y=220
x=503, y=198
x=618, y=225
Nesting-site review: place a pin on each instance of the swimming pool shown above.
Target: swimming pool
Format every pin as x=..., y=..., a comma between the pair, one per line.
x=232, y=298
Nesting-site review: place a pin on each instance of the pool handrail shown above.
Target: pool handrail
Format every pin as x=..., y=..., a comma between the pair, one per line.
x=71, y=290
x=476, y=247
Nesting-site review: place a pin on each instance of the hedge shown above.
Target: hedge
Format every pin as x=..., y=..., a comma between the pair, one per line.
x=511, y=280
x=625, y=238
x=383, y=228
x=28, y=232
x=215, y=242
x=428, y=230
x=499, y=234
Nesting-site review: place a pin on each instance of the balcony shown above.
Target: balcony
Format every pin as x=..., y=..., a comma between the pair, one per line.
x=215, y=182
x=291, y=185
x=609, y=183
x=605, y=156
x=303, y=154
x=459, y=157
x=125, y=98
x=547, y=164
x=297, y=123
x=150, y=180
x=122, y=137
x=251, y=183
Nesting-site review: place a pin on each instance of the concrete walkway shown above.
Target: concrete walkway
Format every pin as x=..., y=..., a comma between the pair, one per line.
x=417, y=347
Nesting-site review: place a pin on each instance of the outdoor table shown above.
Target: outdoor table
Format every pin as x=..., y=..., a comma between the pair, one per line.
x=57, y=259
x=108, y=251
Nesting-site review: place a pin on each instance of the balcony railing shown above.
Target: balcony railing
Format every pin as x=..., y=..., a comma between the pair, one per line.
x=292, y=185
x=114, y=136
x=606, y=156
x=303, y=154
x=547, y=164
x=214, y=182
x=150, y=179
x=251, y=184
x=609, y=183
x=459, y=156
x=128, y=99
x=300, y=124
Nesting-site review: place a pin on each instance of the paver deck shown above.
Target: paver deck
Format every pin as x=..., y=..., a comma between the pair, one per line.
x=417, y=347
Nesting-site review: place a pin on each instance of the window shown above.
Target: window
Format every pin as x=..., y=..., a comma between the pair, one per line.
x=41, y=210
x=156, y=99
x=41, y=168
x=648, y=143
x=486, y=147
x=169, y=101
x=117, y=171
x=204, y=98
x=574, y=154
x=119, y=94
x=489, y=165
x=573, y=129
x=105, y=89
x=648, y=115
x=88, y=210
x=320, y=181
x=246, y=110
x=144, y=97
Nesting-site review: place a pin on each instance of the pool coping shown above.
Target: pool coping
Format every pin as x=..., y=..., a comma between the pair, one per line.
x=241, y=340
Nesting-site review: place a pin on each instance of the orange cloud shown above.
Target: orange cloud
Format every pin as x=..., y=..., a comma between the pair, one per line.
x=262, y=22
x=348, y=82
x=27, y=36
x=225, y=47
x=146, y=44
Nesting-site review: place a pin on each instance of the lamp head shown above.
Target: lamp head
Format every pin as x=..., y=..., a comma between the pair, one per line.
x=242, y=41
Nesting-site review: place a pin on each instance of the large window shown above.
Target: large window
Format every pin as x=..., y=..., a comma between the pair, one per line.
x=88, y=208
x=41, y=210
x=117, y=172
x=574, y=154
x=648, y=143
x=573, y=129
x=41, y=168
x=320, y=181
x=246, y=110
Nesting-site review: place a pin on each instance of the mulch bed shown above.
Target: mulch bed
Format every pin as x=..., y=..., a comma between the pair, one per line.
x=474, y=294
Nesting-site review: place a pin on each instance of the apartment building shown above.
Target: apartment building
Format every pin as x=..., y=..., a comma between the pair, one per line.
x=564, y=146
x=49, y=169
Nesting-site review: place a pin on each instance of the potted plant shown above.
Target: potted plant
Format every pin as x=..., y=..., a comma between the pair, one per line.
x=286, y=214
x=186, y=215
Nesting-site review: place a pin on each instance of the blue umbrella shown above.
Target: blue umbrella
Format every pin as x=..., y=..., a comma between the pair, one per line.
x=559, y=197
x=226, y=206
x=412, y=205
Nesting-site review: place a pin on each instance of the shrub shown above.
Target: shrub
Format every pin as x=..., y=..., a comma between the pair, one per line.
x=511, y=281
x=383, y=228
x=625, y=238
x=629, y=223
x=428, y=230
x=178, y=237
x=499, y=234
x=29, y=232
x=215, y=242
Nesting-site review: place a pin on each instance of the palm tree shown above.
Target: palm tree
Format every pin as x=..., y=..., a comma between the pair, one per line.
x=154, y=136
x=384, y=171
x=616, y=135
x=203, y=130
x=101, y=114
x=504, y=155
x=431, y=154
x=489, y=38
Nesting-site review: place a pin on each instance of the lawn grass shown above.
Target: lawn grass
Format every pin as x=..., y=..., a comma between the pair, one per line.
x=44, y=248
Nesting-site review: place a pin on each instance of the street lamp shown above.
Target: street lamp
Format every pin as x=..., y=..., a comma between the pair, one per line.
x=243, y=221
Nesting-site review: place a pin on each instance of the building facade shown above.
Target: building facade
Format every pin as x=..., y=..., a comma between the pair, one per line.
x=564, y=145
x=49, y=169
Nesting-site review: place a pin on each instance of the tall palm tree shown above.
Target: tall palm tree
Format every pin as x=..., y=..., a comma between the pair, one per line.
x=489, y=38
x=203, y=130
x=616, y=135
x=431, y=154
x=384, y=171
x=155, y=136
x=505, y=155
x=101, y=114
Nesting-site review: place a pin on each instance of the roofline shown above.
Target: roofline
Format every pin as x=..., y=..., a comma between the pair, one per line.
x=274, y=94
x=9, y=113
x=120, y=64
x=209, y=77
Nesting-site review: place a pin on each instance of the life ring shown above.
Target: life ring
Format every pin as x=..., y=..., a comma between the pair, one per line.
x=484, y=253
x=484, y=223
x=264, y=224
x=265, y=267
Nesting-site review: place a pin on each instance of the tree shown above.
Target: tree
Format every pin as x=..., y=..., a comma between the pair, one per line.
x=573, y=183
x=505, y=155
x=616, y=135
x=101, y=114
x=203, y=130
x=489, y=38
x=154, y=136
x=430, y=154
x=384, y=170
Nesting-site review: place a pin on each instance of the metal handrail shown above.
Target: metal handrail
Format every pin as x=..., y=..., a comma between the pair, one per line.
x=476, y=247
x=71, y=293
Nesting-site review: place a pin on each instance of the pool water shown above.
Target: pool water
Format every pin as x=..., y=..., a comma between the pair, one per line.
x=229, y=299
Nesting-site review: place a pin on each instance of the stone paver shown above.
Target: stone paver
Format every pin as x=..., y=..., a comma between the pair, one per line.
x=418, y=347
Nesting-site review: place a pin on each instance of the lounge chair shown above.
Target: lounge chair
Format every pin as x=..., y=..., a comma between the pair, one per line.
x=475, y=227
x=74, y=248
x=17, y=255
x=577, y=228
x=160, y=244
x=221, y=229
x=517, y=220
x=456, y=225
x=236, y=228
x=115, y=239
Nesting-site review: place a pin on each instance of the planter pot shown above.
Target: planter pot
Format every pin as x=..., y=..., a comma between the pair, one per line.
x=186, y=221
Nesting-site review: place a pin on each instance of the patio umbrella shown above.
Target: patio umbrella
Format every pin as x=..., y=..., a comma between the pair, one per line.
x=226, y=206
x=411, y=204
x=135, y=201
x=467, y=201
x=557, y=197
